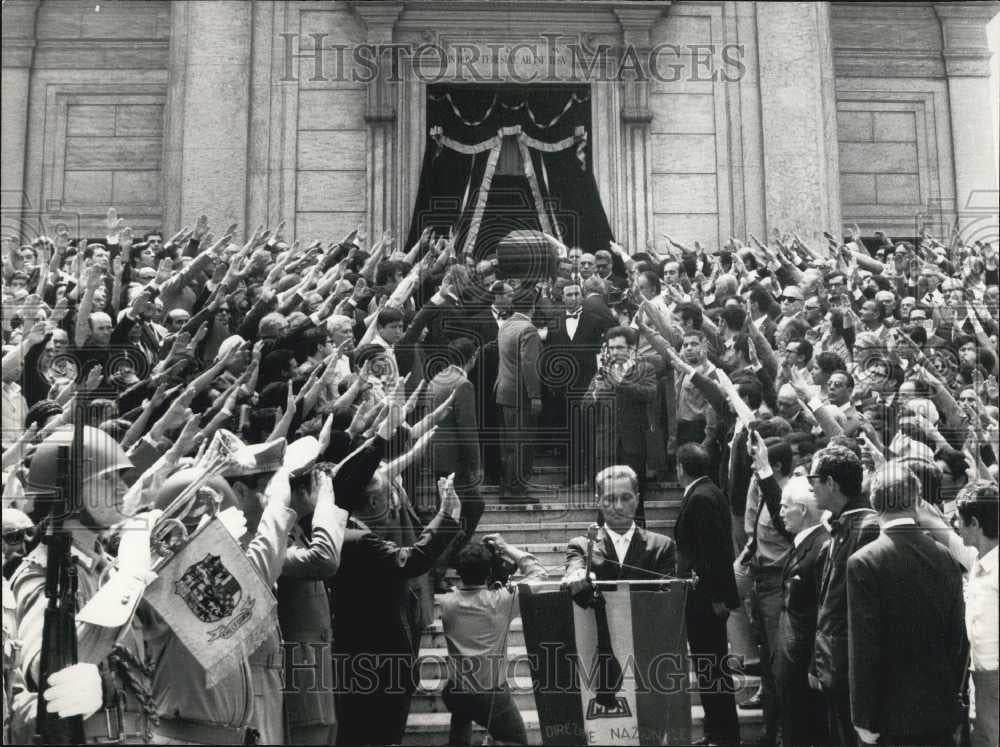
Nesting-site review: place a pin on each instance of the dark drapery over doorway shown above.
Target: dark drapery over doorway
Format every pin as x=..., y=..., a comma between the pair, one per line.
x=452, y=181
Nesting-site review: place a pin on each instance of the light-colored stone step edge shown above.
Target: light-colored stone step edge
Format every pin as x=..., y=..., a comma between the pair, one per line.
x=572, y=505
x=522, y=683
x=581, y=526
x=430, y=721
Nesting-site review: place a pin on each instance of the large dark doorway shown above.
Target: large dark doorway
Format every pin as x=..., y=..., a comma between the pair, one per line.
x=484, y=184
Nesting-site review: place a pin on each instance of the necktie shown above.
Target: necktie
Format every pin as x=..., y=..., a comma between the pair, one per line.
x=574, y=314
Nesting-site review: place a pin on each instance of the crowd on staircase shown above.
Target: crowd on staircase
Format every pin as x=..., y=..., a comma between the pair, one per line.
x=199, y=417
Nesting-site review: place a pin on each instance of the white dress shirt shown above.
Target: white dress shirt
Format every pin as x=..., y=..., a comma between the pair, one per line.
x=800, y=536
x=982, y=622
x=621, y=541
x=572, y=322
x=899, y=523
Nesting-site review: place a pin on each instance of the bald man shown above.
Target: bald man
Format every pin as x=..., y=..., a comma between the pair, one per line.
x=802, y=709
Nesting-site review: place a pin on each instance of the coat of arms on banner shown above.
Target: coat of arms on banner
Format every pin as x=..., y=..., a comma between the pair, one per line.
x=214, y=601
x=209, y=589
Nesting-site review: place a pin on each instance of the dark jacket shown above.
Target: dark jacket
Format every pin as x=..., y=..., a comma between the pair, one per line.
x=650, y=556
x=800, y=589
x=907, y=633
x=596, y=305
x=370, y=591
x=704, y=544
x=624, y=409
x=854, y=528
x=570, y=364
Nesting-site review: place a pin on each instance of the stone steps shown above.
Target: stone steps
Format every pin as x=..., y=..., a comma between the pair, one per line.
x=431, y=728
x=542, y=529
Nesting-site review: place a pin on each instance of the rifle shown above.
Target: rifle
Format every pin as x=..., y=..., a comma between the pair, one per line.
x=59, y=643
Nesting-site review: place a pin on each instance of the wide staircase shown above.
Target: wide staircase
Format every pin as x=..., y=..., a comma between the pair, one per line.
x=543, y=529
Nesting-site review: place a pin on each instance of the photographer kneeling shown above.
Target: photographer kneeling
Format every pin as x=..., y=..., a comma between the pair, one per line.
x=476, y=618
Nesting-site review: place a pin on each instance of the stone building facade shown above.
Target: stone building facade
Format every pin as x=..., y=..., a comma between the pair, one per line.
x=761, y=115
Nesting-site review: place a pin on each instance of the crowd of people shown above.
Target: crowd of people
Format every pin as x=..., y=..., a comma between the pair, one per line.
x=830, y=410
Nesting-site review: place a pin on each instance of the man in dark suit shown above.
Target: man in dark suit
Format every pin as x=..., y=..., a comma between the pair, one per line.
x=623, y=393
x=312, y=556
x=836, y=480
x=483, y=327
x=595, y=299
x=623, y=551
x=703, y=533
x=519, y=395
x=569, y=362
x=904, y=590
x=456, y=441
x=375, y=646
x=803, y=712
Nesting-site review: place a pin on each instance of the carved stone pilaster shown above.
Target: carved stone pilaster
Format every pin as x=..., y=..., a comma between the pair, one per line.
x=966, y=48
x=966, y=56
x=636, y=118
x=380, y=115
x=18, y=55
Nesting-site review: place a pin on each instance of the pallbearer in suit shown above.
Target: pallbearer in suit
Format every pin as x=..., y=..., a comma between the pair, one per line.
x=519, y=395
x=803, y=710
x=703, y=533
x=456, y=442
x=483, y=326
x=569, y=362
x=625, y=552
x=906, y=620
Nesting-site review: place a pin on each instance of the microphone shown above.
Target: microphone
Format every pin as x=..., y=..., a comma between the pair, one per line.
x=592, y=531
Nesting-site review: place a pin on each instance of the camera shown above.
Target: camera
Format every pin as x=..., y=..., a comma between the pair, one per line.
x=501, y=569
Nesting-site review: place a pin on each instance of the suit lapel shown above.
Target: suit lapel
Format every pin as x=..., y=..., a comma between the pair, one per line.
x=610, y=555
x=635, y=549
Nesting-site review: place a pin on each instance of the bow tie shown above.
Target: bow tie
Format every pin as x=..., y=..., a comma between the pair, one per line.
x=574, y=314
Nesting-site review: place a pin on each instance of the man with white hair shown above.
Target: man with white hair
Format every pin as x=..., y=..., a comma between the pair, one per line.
x=803, y=711
x=790, y=408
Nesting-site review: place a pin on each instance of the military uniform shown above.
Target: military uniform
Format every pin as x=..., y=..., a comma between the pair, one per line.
x=249, y=698
x=123, y=719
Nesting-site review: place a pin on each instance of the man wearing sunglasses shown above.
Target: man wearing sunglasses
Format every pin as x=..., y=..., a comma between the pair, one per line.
x=791, y=302
x=836, y=479
x=17, y=531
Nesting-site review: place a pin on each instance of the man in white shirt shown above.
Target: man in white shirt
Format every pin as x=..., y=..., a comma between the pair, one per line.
x=977, y=523
x=622, y=551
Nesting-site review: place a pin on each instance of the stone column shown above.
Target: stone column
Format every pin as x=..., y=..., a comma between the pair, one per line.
x=636, y=117
x=18, y=52
x=380, y=116
x=798, y=117
x=208, y=108
x=967, y=65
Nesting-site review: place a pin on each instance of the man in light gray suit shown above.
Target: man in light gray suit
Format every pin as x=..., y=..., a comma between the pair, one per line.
x=518, y=394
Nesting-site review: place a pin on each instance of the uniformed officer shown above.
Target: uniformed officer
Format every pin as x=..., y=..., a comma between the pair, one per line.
x=247, y=705
x=107, y=686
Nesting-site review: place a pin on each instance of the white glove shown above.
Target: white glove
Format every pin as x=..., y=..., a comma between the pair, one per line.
x=75, y=690
x=867, y=737
x=115, y=602
x=235, y=522
x=133, y=550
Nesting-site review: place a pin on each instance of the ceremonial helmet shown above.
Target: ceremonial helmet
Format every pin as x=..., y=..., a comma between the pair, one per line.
x=101, y=455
